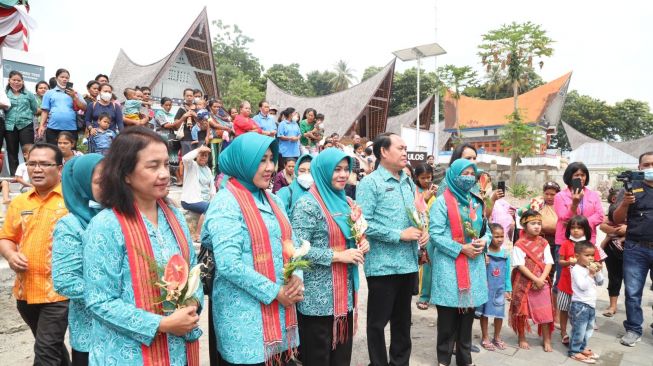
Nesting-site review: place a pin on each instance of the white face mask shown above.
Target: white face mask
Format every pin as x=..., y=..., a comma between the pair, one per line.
x=305, y=180
x=648, y=174
x=295, y=118
x=196, y=100
x=582, y=238
x=105, y=96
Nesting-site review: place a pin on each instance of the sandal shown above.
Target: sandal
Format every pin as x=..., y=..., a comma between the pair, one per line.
x=588, y=353
x=582, y=358
x=488, y=346
x=565, y=340
x=500, y=344
x=422, y=305
x=609, y=313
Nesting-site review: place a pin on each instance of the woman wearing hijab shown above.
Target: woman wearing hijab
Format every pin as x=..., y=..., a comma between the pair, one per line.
x=459, y=281
x=253, y=310
x=321, y=218
x=81, y=190
x=303, y=180
x=123, y=245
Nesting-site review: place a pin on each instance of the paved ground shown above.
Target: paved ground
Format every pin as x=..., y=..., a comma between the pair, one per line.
x=16, y=340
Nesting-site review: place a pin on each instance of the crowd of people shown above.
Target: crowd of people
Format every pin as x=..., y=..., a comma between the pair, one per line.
x=92, y=232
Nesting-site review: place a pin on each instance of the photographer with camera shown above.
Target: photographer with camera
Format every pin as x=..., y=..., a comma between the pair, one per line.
x=636, y=208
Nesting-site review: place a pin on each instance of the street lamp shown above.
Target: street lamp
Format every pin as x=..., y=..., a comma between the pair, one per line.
x=418, y=53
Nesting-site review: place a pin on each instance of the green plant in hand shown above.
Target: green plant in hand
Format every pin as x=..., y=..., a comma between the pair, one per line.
x=469, y=231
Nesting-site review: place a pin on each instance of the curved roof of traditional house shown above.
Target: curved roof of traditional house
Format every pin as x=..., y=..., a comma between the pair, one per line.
x=409, y=118
x=344, y=109
x=540, y=105
x=196, y=43
x=127, y=73
x=634, y=148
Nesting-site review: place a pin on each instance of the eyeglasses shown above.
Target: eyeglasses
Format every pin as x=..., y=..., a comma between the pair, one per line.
x=40, y=164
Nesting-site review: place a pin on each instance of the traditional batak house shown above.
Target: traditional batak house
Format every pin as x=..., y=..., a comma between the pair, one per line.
x=189, y=65
x=479, y=121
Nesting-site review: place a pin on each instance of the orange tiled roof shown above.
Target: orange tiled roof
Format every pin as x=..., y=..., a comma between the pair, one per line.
x=475, y=113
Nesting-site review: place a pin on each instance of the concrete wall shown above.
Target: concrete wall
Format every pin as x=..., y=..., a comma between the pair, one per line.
x=536, y=176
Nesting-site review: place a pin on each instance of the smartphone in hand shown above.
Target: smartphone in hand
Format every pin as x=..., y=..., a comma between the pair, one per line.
x=502, y=186
x=69, y=85
x=576, y=185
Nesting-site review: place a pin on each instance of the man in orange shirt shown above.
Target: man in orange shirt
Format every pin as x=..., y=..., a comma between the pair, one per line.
x=26, y=243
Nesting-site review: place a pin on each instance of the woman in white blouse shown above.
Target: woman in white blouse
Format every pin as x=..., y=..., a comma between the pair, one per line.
x=199, y=186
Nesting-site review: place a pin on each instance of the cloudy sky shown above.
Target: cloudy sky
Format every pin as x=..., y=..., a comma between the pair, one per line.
x=607, y=44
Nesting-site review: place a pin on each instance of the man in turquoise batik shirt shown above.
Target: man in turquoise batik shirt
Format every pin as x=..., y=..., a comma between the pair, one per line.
x=391, y=264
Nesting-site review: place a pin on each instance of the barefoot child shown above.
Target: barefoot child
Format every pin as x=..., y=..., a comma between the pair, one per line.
x=499, y=289
x=582, y=312
x=578, y=229
x=531, y=292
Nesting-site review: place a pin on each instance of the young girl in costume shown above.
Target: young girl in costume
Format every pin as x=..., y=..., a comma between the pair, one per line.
x=424, y=181
x=531, y=291
x=578, y=229
x=499, y=289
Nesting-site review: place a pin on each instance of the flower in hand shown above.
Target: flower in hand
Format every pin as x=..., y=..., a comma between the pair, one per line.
x=419, y=217
x=178, y=285
x=357, y=223
x=295, y=258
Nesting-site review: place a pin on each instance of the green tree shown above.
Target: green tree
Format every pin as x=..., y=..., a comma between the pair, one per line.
x=520, y=139
x=242, y=89
x=588, y=115
x=457, y=79
x=319, y=82
x=404, y=88
x=515, y=46
x=233, y=58
x=632, y=119
x=371, y=71
x=344, y=76
x=288, y=78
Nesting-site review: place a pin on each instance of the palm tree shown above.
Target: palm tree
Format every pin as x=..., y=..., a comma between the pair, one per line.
x=496, y=82
x=343, y=78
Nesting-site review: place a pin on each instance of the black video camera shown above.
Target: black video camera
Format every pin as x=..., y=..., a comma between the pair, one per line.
x=628, y=177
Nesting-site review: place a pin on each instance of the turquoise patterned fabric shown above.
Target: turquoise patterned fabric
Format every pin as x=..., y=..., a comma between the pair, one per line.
x=238, y=290
x=384, y=200
x=309, y=224
x=68, y=279
x=119, y=327
x=444, y=284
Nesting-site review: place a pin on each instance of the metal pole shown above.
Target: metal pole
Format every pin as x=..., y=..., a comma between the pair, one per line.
x=419, y=66
x=436, y=107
